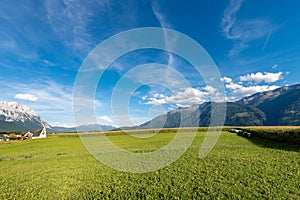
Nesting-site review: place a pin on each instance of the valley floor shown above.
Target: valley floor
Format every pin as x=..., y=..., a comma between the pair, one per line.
x=60, y=167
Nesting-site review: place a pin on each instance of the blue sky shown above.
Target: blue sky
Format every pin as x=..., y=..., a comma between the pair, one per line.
x=255, y=45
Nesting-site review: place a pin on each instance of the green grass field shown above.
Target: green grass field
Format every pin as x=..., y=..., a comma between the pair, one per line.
x=60, y=167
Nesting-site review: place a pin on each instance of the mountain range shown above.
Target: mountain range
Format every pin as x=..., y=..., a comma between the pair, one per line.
x=81, y=128
x=18, y=118
x=279, y=107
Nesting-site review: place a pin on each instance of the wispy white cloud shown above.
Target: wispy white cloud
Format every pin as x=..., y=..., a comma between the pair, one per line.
x=226, y=79
x=158, y=74
x=243, y=31
x=250, y=84
x=7, y=41
x=165, y=24
x=17, y=38
x=184, y=97
x=106, y=119
x=159, y=15
x=54, y=99
x=187, y=97
x=229, y=18
x=275, y=66
x=258, y=77
x=69, y=19
x=234, y=91
x=238, y=90
x=267, y=39
x=76, y=22
x=26, y=97
x=245, y=86
x=51, y=95
x=237, y=48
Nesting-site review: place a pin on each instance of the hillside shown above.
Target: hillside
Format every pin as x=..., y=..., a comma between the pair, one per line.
x=199, y=115
x=236, y=115
x=15, y=117
x=277, y=107
x=281, y=106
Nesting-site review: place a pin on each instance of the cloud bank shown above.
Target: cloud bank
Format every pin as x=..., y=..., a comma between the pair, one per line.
x=262, y=77
x=26, y=97
x=246, y=85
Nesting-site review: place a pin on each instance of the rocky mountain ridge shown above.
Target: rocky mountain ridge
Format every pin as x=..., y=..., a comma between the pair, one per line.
x=15, y=117
x=279, y=107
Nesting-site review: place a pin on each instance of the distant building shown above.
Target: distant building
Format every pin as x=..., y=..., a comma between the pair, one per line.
x=40, y=134
x=3, y=139
x=28, y=134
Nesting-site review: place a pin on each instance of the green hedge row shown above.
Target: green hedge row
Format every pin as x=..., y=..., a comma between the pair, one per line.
x=291, y=136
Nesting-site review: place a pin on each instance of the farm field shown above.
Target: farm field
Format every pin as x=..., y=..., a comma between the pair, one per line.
x=60, y=167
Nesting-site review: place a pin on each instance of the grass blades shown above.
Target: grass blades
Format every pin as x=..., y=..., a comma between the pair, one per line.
x=60, y=167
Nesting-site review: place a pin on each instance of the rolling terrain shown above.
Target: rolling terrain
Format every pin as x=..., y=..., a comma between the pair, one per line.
x=280, y=107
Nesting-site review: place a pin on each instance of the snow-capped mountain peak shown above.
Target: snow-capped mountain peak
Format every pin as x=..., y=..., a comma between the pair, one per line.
x=16, y=117
x=14, y=111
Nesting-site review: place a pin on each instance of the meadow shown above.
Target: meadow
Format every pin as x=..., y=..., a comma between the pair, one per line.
x=59, y=167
